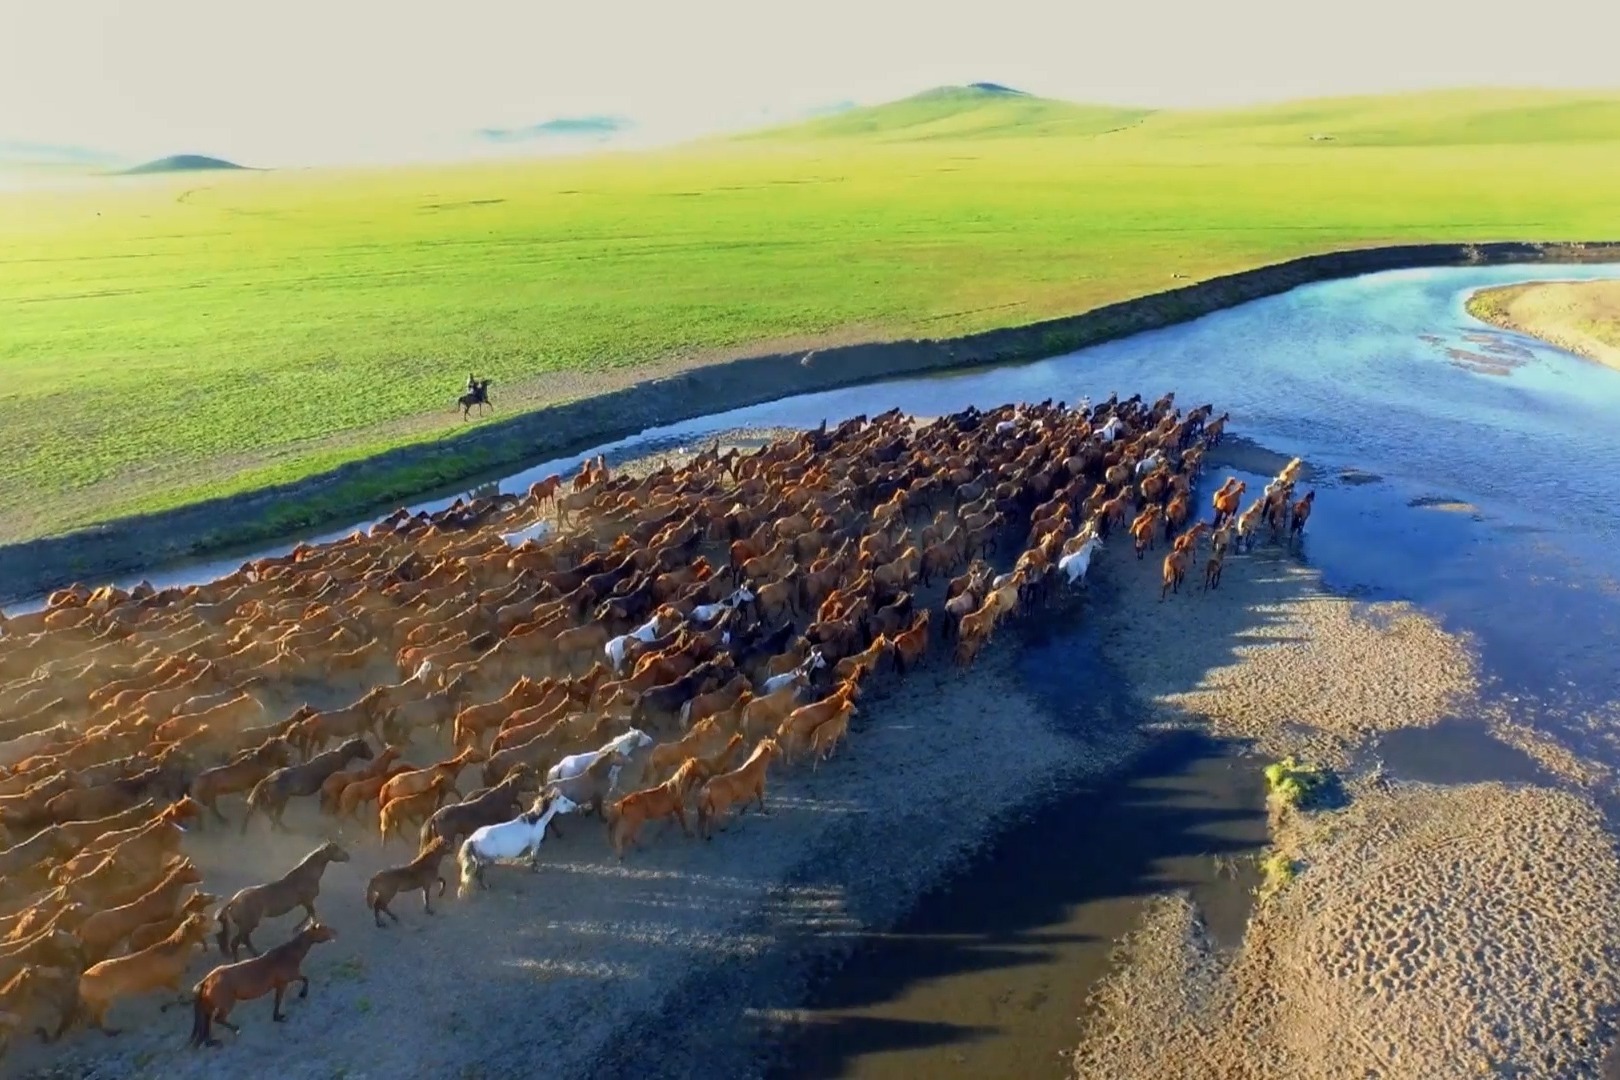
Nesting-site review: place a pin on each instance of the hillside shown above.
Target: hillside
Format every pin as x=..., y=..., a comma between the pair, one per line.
x=1468, y=117
x=961, y=112
x=183, y=163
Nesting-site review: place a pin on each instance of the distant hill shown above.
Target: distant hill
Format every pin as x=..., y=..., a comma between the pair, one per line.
x=563, y=127
x=1428, y=118
x=183, y=163
x=954, y=112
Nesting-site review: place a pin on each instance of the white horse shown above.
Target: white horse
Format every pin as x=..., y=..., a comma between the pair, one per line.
x=574, y=764
x=1149, y=463
x=1073, y=567
x=707, y=613
x=814, y=662
x=1110, y=431
x=618, y=648
x=533, y=532
x=510, y=840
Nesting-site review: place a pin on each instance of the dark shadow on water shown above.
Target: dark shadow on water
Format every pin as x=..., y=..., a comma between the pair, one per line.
x=1001, y=957
x=1456, y=752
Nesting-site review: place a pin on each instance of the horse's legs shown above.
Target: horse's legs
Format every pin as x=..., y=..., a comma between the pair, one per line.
x=427, y=900
x=245, y=938
x=303, y=989
x=276, y=1014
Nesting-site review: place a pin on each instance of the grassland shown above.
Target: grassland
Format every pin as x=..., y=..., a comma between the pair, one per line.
x=1582, y=317
x=165, y=339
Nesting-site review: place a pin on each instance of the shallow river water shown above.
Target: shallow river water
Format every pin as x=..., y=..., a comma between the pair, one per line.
x=1465, y=469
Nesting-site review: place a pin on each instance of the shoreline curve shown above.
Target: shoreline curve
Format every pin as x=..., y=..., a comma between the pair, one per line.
x=383, y=481
x=1562, y=314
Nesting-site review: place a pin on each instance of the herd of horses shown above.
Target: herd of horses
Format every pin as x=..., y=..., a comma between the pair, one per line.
x=637, y=648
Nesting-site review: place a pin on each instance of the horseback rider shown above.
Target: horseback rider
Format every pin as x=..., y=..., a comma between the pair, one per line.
x=472, y=385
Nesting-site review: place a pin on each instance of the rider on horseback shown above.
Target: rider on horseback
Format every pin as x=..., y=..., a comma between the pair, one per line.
x=477, y=394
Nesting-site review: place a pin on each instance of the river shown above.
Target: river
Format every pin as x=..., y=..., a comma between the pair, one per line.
x=1464, y=469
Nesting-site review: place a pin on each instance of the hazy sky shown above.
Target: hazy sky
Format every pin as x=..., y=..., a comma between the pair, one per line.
x=303, y=81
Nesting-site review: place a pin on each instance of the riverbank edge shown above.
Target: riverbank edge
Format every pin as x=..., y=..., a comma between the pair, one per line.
x=1494, y=305
x=383, y=481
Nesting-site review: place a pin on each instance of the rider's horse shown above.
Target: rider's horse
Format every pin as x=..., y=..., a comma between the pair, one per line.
x=479, y=395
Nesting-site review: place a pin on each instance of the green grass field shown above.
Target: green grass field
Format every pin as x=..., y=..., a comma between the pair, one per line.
x=168, y=338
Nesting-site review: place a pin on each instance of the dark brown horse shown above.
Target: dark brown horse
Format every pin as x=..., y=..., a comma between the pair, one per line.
x=477, y=394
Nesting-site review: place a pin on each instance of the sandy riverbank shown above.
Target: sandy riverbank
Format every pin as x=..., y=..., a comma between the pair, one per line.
x=1431, y=931
x=1582, y=317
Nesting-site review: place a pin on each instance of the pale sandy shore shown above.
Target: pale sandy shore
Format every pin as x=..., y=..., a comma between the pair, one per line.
x=1430, y=932
x=1582, y=317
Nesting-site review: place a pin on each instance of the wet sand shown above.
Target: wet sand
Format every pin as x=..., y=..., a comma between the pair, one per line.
x=1582, y=317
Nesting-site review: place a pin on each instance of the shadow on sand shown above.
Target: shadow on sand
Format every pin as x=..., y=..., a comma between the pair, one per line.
x=1049, y=894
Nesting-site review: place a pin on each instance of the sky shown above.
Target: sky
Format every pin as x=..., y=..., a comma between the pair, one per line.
x=329, y=81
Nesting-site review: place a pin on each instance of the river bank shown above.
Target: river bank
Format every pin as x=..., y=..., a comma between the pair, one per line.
x=1582, y=317
x=347, y=493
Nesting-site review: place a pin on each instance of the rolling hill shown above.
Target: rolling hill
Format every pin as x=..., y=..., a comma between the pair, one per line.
x=1466, y=117
x=959, y=112
x=183, y=163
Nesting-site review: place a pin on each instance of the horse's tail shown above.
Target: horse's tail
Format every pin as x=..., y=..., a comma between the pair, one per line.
x=201, y=1022
x=467, y=861
x=224, y=936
